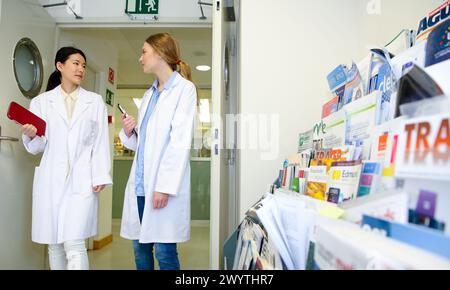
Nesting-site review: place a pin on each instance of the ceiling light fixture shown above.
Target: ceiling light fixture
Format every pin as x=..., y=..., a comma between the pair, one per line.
x=200, y=3
x=203, y=67
x=71, y=6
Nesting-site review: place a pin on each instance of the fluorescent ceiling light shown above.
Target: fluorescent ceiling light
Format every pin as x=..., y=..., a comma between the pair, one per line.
x=204, y=111
x=137, y=102
x=203, y=67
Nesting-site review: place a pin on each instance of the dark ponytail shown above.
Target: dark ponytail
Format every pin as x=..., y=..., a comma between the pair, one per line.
x=54, y=80
x=62, y=56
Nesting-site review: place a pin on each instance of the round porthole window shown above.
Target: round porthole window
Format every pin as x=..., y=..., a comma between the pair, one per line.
x=28, y=68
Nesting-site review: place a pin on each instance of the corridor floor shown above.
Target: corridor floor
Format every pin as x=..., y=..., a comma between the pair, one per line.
x=118, y=255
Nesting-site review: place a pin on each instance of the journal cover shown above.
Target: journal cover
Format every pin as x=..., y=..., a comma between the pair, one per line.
x=438, y=45
x=23, y=116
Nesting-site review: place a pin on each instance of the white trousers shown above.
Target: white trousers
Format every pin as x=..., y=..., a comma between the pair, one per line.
x=70, y=255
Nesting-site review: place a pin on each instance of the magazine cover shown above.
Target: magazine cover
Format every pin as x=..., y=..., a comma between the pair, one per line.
x=330, y=107
x=424, y=148
x=330, y=132
x=337, y=78
x=354, y=89
x=346, y=84
x=427, y=239
x=384, y=149
x=370, y=178
x=361, y=119
x=305, y=141
x=391, y=206
x=344, y=181
x=433, y=20
x=316, y=186
x=352, y=248
x=438, y=44
x=326, y=157
x=382, y=78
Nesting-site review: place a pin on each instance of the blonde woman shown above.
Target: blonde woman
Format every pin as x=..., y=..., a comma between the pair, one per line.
x=156, y=213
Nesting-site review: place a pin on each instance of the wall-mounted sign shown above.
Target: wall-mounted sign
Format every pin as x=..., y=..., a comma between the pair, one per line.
x=142, y=7
x=111, y=76
x=109, y=98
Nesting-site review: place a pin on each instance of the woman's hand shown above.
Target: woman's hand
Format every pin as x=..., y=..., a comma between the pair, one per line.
x=98, y=188
x=29, y=130
x=128, y=123
x=160, y=200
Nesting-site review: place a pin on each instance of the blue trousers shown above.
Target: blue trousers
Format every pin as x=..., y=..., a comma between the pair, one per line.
x=166, y=253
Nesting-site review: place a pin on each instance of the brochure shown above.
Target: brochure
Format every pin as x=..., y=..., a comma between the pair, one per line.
x=384, y=150
x=328, y=156
x=427, y=239
x=438, y=44
x=382, y=78
x=330, y=107
x=337, y=78
x=416, y=85
x=354, y=89
x=434, y=19
x=361, y=119
x=330, y=132
x=346, y=84
x=370, y=178
x=391, y=206
x=424, y=148
x=316, y=186
x=350, y=248
x=344, y=181
x=305, y=141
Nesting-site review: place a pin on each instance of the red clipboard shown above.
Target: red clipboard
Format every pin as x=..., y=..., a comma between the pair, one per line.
x=23, y=116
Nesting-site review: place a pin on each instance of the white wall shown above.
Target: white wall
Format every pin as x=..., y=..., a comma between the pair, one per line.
x=101, y=54
x=287, y=49
x=379, y=29
x=16, y=165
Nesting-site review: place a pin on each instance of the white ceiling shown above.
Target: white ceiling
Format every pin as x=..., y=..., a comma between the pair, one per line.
x=195, y=43
x=170, y=11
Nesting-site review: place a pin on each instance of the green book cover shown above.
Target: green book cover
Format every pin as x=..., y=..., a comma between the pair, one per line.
x=295, y=184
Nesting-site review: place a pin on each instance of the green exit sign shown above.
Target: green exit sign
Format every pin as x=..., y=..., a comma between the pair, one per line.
x=142, y=7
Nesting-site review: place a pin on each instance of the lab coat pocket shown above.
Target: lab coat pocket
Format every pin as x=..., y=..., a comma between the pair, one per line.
x=82, y=179
x=90, y=131
x=36, y=181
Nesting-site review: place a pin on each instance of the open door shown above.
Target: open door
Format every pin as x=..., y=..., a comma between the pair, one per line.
x=218, y=221
x=224, y=199
x=27, y=51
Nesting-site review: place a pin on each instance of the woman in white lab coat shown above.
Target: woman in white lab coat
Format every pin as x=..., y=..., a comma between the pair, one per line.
x=156, y=210
x=75, y=165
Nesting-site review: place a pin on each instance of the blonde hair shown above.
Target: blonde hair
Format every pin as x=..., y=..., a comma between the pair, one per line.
x=169, y=49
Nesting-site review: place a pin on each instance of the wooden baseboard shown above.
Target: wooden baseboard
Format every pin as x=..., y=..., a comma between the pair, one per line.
x=103, y=242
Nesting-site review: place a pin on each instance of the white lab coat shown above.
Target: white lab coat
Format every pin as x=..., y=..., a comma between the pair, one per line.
x=166, y=167
x=76, y=158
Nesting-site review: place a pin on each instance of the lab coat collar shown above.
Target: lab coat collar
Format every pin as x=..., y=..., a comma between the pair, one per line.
x=83, y=102
x=173, y=81
x=57, y=100
x=169, y=82
x=73, y=95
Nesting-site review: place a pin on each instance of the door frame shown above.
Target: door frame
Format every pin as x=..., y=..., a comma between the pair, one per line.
x=214, y=239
